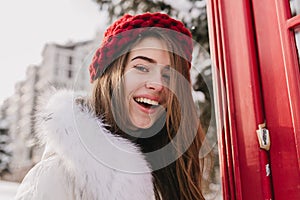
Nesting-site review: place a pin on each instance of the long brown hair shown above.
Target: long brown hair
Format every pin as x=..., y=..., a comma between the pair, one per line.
x=180, y=179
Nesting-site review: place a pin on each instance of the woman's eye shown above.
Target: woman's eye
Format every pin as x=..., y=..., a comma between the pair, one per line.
x=141, y=68
x=166, y=77
x=166, y=74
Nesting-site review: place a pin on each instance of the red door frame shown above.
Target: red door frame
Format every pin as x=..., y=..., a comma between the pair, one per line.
x=256, y=79
x=279, y=67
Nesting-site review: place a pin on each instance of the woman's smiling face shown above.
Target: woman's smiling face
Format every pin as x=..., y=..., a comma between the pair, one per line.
x=146, y=77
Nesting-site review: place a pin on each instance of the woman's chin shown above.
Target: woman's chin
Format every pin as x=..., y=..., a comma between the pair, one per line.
x=142, y=124
x=145, y=122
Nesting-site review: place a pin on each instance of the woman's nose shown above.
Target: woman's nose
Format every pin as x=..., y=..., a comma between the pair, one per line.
x=155, y=83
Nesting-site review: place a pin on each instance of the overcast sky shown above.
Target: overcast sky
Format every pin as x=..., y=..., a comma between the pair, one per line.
x=26, y=26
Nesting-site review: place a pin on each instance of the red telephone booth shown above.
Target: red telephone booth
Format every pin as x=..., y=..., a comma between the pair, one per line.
x=257, y=87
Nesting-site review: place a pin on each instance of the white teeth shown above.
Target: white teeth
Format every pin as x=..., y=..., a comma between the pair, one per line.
x=148, y=101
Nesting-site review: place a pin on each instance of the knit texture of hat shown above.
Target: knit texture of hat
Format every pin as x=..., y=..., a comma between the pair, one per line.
x=126, y=29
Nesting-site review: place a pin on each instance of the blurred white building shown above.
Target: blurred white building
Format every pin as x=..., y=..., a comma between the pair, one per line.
x=20, y=111
x=63, y=66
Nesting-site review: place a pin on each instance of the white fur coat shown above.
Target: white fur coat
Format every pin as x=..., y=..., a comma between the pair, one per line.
x=82, y=160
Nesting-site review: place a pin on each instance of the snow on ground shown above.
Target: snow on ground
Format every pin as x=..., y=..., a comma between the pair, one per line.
x=8, y=190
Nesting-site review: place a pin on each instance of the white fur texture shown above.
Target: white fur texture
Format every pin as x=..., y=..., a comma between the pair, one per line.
x=83, y=160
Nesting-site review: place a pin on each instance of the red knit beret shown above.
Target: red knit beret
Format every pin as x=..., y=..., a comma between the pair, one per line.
x=126, y=30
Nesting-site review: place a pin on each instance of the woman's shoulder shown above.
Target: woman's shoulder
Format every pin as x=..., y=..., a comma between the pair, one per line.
x=58, y=114
x=73, y=131
x=98, y=159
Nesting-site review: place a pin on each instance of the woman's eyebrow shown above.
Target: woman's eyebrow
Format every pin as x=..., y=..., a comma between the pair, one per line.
x=150, y=60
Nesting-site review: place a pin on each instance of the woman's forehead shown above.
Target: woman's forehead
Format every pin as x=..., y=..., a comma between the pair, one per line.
x=150, y=43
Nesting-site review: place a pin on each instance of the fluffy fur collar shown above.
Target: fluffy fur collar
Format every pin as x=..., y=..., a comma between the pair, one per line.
x=101, y=164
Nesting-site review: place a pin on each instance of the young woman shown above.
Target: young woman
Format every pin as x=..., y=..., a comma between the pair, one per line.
x=138, y=135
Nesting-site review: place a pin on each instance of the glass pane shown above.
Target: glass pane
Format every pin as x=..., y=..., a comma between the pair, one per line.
x=297, y=39
x=295, y=7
